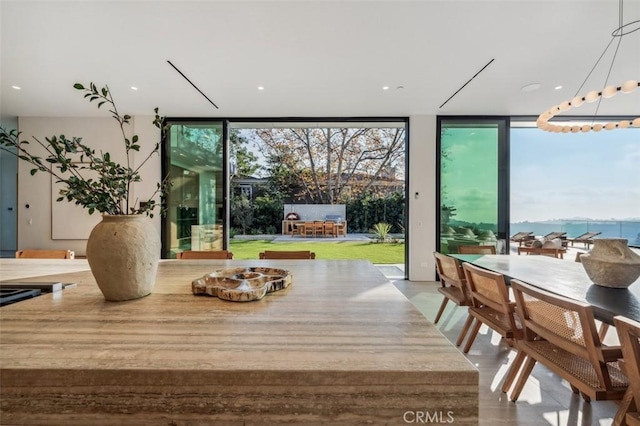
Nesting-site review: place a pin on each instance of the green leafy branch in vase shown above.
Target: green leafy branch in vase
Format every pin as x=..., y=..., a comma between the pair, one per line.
x=93, y=181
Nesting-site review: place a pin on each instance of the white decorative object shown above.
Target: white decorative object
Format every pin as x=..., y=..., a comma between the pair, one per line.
x=611, y=263
x=123, y=252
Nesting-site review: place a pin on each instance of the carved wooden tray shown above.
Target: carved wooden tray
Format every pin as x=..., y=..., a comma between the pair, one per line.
x=242, y=284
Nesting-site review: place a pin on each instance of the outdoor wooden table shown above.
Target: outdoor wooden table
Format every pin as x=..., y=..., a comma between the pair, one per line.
x=342, y=345
x=567, y=279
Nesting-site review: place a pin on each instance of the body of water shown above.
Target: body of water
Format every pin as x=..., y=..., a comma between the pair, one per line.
x=608, y=229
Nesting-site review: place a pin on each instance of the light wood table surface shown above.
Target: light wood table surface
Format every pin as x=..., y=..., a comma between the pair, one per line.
x=341, y=346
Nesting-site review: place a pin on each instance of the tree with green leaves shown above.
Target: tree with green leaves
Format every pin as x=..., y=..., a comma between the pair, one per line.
x=331, y=165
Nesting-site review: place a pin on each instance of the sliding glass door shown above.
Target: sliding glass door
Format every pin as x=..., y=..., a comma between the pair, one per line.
x=473, y=188
x=194, y=161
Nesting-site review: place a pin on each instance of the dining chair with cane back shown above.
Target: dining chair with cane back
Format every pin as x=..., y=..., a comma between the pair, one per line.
x=45, y=254
x=453, y=288
x=477, y=249
x=490, y=305
x=561, y=334
x=629, y=335
x=279, y=254
x=209, y=254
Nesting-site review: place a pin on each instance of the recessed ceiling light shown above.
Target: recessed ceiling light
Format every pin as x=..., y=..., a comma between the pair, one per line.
x=385, y=87
x=260, y=88
x=558, y=87
x=134, y=88
x=16, y=87
x=531, y=87
x=399, y=87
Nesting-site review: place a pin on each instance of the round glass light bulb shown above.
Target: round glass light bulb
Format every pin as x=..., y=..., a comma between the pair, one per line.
x=575, y=129
x=564, y=106
x=577, y=101
x=624, y=124
x=592, y=96
x=636, y=122
x=609, y=91
x=585, y=128
x=610, y=126
x=566, y=129
x=597, y=127
x=629, y=86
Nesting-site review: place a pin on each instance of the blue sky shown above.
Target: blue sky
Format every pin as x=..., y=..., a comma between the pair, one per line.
x=592, y=175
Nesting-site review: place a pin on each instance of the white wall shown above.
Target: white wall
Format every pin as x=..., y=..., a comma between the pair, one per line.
x=35, y=223
x=422, y=197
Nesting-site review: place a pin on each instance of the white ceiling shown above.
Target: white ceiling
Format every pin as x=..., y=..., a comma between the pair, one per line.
x=314, y=58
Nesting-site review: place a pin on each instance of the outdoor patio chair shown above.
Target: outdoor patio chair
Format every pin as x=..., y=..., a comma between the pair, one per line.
x=45, y=254
x=318, y=228
x=453, y=287
x=561, y=334
x=298, y=254
x=629, y=334
x=330, y=229
x=306, y=229
x=554, y=235
x=522, y=237
x=586, y=239
x=211, y=254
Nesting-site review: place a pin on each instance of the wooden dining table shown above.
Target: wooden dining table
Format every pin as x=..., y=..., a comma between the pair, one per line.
x=564, y=278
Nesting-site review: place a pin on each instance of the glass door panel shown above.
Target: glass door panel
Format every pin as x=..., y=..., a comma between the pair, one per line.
x=194, y=161
x=470, y=185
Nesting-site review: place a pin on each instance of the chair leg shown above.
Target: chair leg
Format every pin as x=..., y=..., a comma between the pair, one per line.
x=574, y=389
x=602, y=332
x=441, y=310
x=472, y=336
x=526, y=371
x=465, y=329
x=626, y=405
x=513, y=371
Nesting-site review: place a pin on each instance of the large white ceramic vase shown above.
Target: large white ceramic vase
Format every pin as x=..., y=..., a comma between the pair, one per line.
x=123, y=252
x=611, y=263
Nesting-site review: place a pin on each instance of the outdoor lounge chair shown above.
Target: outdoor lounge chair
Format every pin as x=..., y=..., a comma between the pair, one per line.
x=586, y=238
x=522, y=237
x=554, y=235
x=557, y=235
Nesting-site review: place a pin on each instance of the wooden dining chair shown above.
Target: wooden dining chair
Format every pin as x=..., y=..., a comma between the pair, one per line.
x=629, y=335
x=490, y=305
x=453, y=287
x=318, y=228
x=45, y=254
x=210, y=254
x=561, y=334
x=278, y=254
x=306, y=229
x=330, y=229
x=477, y=249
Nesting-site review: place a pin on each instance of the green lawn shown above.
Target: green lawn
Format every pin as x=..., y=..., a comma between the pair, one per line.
x=376, y=253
